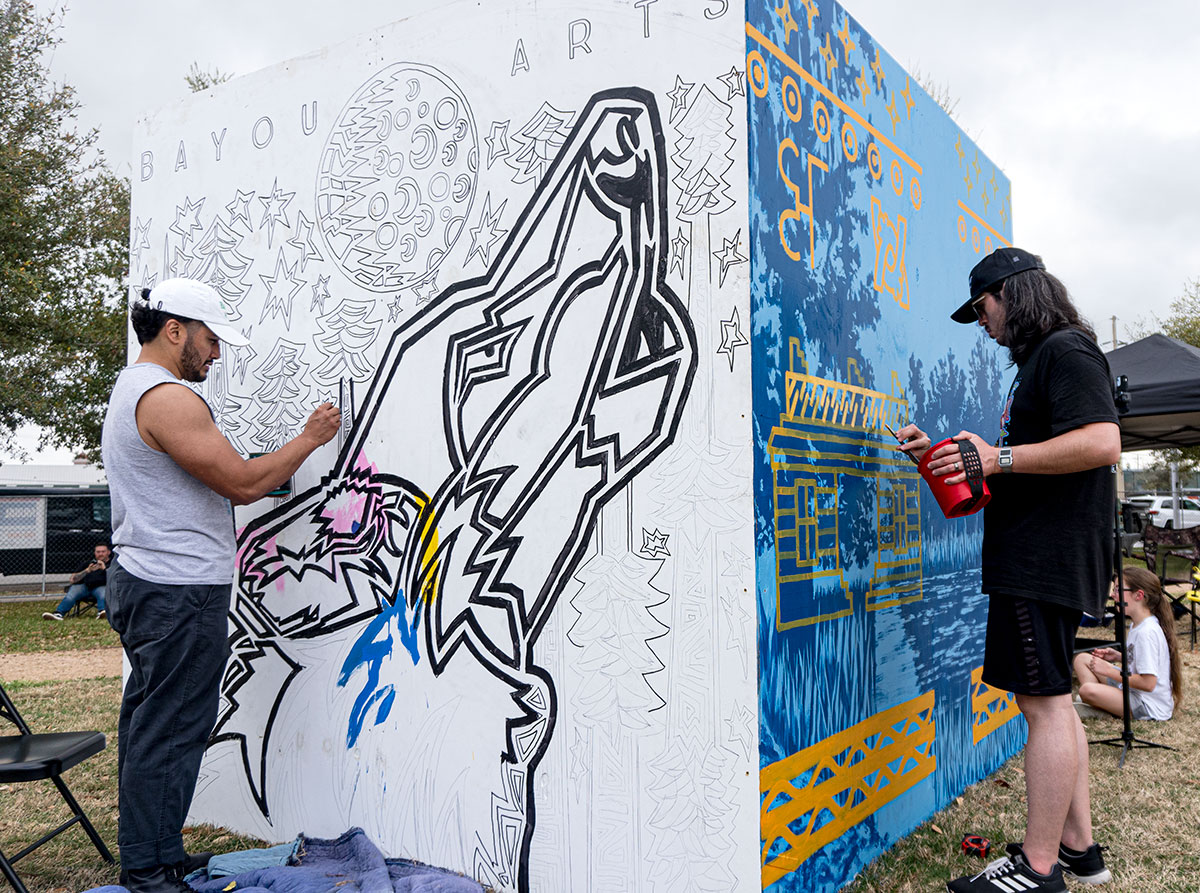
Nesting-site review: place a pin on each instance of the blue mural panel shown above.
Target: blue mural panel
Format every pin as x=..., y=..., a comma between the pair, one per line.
x=868, y=208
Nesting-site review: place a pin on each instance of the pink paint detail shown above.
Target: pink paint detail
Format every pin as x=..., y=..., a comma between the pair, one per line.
x=347, y=513
x=361, y=463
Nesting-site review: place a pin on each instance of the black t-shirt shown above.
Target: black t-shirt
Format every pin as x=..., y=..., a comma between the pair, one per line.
x=94, y=579
x=1050, y=536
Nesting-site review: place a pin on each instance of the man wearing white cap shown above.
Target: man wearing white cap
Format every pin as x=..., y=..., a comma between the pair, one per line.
x=173, y=478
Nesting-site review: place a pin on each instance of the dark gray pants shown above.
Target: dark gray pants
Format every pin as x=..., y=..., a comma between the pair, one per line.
x=177, y=641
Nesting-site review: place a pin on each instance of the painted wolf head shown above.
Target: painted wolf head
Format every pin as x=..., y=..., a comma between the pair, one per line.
x=501, y=419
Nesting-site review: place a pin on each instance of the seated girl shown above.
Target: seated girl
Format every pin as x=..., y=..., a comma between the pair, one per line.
x=1155, y=675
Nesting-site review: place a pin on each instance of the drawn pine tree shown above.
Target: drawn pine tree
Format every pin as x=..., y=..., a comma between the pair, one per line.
x=216, y=260
x=539, y=141
x=614, y=631
x=346, y=333
x=704, y=153
x=703, y=156
x=691, y=791
x=280, y=395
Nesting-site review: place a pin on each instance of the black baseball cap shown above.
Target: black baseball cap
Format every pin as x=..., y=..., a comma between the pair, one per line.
x=996, y=267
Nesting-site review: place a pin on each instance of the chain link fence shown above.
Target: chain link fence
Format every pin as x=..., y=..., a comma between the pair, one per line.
x=46, y=537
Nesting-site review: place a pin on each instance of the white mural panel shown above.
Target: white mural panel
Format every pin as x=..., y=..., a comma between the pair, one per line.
x=505, y=621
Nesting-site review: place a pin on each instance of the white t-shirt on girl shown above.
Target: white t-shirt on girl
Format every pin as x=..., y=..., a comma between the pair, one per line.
x=1148, y=653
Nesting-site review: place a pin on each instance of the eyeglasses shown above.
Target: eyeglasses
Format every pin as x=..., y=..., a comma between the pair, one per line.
x=977, y=305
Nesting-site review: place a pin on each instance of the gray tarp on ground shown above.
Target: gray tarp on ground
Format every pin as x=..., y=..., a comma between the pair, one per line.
x=1164, y=391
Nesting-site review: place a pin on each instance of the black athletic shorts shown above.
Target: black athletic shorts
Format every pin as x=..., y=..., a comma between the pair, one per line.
x=1029, y=645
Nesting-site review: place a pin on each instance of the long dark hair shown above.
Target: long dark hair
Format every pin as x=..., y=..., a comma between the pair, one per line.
x=1036, y=304
x=1139, y=578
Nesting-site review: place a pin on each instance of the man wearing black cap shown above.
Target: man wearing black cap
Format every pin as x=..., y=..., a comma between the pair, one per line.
x=1047, y=549
x=173, y=477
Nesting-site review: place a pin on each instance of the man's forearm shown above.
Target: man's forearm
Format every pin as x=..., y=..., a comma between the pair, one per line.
x=1091, y=446
x=263, y=474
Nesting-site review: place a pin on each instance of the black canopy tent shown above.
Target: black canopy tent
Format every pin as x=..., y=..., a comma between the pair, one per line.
x=1164, y=393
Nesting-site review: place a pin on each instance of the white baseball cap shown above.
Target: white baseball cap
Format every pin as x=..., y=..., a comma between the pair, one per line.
x=199, y=301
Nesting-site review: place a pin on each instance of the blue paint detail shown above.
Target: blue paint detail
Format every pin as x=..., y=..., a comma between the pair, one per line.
x=354, y=528
x=818, y=679
x=373, y=646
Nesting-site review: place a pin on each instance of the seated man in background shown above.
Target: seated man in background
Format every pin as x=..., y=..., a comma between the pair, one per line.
x=88, y=582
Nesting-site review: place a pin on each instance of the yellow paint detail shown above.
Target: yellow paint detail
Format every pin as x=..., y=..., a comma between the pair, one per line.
x=831, y=433
x=990, y=707
x=814, y=796
x=790, y=63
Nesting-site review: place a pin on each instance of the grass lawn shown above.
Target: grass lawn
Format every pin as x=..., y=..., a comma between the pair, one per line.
x=1146, y=813
x=23, y=629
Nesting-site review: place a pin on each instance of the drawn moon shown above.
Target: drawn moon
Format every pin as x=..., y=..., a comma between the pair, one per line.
x=400, y=163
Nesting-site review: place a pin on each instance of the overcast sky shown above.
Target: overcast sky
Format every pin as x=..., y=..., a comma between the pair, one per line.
x=1090, y=108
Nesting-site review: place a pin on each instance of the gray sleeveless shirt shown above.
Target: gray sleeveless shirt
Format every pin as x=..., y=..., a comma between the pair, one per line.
x=168, y=527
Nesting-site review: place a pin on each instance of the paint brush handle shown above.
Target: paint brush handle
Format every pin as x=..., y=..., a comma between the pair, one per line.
x=911, y=457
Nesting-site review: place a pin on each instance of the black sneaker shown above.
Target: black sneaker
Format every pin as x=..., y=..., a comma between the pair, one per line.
x=1010, y=874
x=1086, y=867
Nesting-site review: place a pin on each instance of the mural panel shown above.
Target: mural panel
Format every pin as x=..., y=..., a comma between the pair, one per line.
x=868, y=208
x=504, y=622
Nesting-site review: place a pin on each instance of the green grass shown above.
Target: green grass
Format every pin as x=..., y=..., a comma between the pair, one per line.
x=23, y=629
x=69, y=862
x=1146, y=813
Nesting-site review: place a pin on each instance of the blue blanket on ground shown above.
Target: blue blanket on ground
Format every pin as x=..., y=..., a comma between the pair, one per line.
x=347, y=864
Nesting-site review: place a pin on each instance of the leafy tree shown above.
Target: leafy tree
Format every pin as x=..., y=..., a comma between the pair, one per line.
x=64, y=230
x=199, y=79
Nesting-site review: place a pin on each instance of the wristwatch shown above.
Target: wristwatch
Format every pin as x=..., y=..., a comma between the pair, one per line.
x=1005, y=459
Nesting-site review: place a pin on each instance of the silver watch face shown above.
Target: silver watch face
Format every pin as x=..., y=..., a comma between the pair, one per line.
x=1005, y=459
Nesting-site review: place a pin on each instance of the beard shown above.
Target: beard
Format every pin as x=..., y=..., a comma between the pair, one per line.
x=191, y=366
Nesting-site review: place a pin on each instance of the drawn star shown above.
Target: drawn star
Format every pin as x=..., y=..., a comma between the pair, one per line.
x=394, y=309
x=497, y=141
x=241, y=359
x=844, y=36
x=275, y=209
x=239, y=208
x=284, y=279
x=734, y=82
x=877, y=67
x=679, y=249
x=654, y=544
x=829, y=56
x=975, y=165
x=141, y=238
x=729, y=255
x=962, y=156
x=810, y=6
x=303, y=241
x=581, y=763
x=490, y=222
x=187, y=219
x=789, y=23
x=181, y=262
x=967, y=179
x=427, y=290
x=731, y=336
x=320, y=291
x=995, y=188
x=907, y=94
x=740, y=721
x=985, y=198
x=679, y=96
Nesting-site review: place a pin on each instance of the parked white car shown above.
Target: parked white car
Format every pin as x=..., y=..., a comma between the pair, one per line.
x=1161, y=510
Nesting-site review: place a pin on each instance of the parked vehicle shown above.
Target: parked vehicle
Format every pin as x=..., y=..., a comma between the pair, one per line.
x=1160, y=510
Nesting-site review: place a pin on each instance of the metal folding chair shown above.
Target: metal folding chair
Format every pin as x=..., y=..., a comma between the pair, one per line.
x=1185, y=543
x=30, y=757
